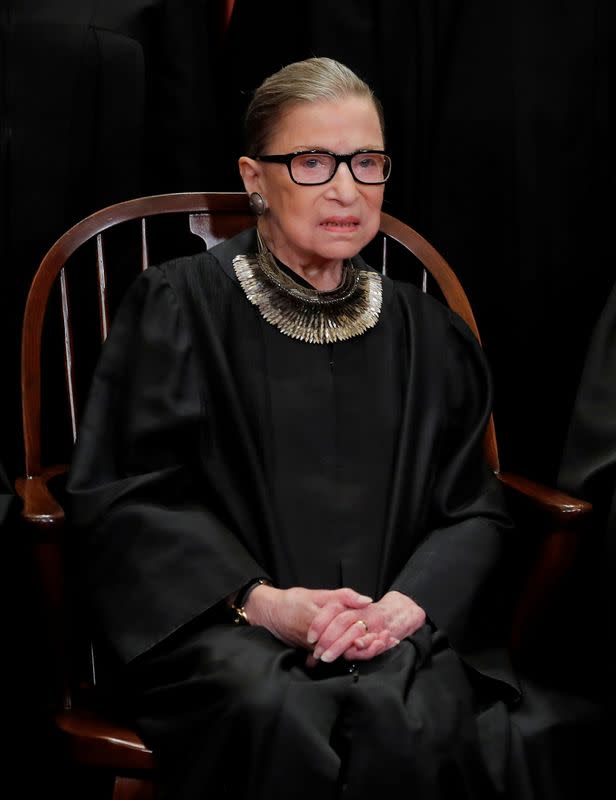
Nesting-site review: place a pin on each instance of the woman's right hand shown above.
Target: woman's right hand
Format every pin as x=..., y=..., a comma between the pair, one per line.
x=288, y=613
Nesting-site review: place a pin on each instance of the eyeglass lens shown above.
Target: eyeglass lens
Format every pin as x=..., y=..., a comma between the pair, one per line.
x=320, y=167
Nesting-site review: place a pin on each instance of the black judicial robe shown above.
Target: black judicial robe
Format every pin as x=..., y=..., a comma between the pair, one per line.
x=588, y=470
x=214, y=449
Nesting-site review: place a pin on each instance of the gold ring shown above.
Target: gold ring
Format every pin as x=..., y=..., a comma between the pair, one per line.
x=361, y=622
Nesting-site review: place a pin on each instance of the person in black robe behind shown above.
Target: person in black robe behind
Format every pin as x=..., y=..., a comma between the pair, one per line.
x=588, y=469
x=99, y=103
x=293, y=548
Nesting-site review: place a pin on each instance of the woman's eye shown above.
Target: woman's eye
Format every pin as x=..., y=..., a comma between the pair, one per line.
x=367, y=163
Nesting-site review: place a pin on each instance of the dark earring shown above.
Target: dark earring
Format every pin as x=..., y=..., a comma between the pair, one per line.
x=257, y=203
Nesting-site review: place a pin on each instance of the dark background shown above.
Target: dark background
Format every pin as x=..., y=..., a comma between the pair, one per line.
x=497, y=123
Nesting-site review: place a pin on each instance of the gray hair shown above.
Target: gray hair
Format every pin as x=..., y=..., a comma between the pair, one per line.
x=308, y=81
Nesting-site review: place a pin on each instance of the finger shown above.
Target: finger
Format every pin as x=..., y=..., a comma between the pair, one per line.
x=364, y=641
x=311, y=661
x=375, y=649
x=379, y=644
x=322, y=619
x=346, y=596
x=335, y=640
x=329, y=613
x=344, y=623
x=332, y=602
x=352, y=599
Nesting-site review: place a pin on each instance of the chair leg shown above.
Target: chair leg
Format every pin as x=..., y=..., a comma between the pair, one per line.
x=133, y=789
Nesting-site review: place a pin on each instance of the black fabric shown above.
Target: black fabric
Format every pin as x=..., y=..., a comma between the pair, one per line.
x=335, y=731
x=588, y=465
x=99, y=102
x=214, y=449
x=588, y=470
x=7, y=495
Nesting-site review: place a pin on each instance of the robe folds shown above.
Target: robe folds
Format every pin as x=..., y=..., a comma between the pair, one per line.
x=215, y=449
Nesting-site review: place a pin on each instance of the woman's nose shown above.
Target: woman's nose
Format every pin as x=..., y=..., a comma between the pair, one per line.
x=343, y=183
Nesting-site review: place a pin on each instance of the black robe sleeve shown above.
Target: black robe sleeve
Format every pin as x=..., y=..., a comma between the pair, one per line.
x=156, y=553
x=457, y=572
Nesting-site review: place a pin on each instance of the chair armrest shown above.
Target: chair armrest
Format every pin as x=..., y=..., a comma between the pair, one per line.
x=562, y=509
x=42, y=521
x=40, y=509
x=553, y=524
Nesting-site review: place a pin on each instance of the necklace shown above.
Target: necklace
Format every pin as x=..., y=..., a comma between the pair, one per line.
x=303, y=312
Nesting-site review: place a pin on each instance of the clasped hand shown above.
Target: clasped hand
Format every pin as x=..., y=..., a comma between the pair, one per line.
x=334, y=623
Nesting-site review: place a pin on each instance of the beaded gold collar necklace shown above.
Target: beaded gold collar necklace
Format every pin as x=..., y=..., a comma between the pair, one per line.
x=303, y=312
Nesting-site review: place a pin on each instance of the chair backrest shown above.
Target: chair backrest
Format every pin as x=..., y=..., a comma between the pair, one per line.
x=99, y=256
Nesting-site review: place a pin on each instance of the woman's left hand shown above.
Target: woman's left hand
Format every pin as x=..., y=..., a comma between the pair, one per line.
x=360, y=635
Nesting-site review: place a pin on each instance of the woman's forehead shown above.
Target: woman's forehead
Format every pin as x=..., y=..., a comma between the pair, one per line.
x=323, y=123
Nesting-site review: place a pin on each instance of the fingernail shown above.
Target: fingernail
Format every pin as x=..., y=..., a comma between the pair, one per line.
x=311, y=638
x=364, y=598
x=317, y=654
x=327, y=657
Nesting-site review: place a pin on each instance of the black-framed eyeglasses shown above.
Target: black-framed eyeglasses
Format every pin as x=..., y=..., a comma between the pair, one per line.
x=314, y=167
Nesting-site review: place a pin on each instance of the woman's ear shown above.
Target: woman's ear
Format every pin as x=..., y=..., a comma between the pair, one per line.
x=250, y=172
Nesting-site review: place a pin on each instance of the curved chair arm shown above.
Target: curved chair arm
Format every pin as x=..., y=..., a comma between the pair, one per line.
x=42, y=519
x=40, y=509
x=90, y=736
x=561, y=508
x=556, y=524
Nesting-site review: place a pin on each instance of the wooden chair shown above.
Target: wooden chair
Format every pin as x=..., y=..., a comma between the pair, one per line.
x=91, y=738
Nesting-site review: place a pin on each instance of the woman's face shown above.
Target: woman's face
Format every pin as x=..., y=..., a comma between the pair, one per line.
x=312, y=226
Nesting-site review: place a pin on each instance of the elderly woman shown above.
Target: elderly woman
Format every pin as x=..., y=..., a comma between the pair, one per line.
x=292, y=543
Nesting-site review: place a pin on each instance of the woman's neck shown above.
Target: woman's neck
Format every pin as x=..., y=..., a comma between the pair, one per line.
x=324, y=277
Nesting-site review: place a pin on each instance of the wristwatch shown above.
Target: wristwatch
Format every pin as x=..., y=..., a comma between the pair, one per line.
x=241, y=598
